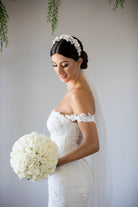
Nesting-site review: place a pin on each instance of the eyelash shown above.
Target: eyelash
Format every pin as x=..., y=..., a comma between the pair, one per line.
x=62, y=66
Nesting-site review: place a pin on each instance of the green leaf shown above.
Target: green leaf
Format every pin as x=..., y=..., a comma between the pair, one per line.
x=52, y=17
x=117, y=3
x=3, y=26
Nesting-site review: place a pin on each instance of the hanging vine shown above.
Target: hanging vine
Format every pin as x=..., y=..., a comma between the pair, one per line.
x=52, y=17
x=117, y=3
x=3, y=26
x=53, y=7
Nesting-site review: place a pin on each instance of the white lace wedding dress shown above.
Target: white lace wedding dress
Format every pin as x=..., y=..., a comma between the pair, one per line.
x=72, y=183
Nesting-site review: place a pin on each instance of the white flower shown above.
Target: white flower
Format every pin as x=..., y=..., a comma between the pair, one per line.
x=71, y=40
x=34, y=156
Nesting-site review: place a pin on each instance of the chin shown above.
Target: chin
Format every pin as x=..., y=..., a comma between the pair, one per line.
x=64, y=79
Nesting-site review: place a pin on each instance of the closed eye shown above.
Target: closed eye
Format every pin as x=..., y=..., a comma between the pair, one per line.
x=62, y=66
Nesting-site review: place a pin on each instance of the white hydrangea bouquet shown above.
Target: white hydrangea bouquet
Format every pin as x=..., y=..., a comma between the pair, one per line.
x=34, y=156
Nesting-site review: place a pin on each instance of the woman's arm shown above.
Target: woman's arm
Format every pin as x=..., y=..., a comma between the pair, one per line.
x=90, y=145
x=82, y=150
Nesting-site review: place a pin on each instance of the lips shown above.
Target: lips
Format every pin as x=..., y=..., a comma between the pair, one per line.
x=63, y=76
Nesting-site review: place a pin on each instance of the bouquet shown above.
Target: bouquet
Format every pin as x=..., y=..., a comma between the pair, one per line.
x=34, y=156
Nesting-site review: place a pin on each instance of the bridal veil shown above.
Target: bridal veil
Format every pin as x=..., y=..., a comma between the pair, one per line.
x=101, y=195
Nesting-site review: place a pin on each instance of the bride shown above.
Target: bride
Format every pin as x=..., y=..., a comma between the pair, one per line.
x=77, y=127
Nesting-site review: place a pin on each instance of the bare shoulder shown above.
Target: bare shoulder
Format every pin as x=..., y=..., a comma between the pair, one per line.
x=82, y=101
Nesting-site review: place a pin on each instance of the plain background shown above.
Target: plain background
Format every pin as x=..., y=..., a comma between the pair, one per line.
x=30, y=89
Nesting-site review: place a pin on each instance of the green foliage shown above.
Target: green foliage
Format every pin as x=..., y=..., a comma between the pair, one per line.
x=117, y=3
x=3, y=26
x=52, y=17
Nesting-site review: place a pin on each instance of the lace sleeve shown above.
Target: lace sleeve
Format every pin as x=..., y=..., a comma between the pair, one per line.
x=82, y=117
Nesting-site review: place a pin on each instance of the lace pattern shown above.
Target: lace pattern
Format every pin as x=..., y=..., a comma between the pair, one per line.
x=81, y=117
x=72, y=182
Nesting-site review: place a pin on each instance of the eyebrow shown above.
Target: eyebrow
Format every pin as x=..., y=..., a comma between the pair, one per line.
x=62, y=61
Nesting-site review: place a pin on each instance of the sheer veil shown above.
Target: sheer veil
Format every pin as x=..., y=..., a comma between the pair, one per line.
x=101, y=195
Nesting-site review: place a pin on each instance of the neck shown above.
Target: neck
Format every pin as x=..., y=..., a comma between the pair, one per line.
x=76, y=83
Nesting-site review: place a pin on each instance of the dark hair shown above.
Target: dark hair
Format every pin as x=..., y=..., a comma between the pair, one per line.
x=68, y=50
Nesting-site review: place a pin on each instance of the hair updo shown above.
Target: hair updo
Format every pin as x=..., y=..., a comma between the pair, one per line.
x=68, y=50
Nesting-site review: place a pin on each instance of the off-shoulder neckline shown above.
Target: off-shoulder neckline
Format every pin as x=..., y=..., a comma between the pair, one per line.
x=64, y=116
x=72, y=114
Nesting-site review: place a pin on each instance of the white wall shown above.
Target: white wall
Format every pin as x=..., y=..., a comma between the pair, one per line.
x=28, y=87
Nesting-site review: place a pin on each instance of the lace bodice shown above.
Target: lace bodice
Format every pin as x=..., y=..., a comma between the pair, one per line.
x=65, y=132
x=72, y=182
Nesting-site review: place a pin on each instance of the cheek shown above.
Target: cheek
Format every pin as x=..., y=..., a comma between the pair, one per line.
x=70, y=71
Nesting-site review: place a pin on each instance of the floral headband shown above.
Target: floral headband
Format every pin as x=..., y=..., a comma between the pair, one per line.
x=71, y=40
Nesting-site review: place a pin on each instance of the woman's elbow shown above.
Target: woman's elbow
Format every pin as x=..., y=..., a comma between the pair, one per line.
x=97, y=144
x=95, y=148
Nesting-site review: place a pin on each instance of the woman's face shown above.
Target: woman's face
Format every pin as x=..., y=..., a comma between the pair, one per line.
x=66, y=68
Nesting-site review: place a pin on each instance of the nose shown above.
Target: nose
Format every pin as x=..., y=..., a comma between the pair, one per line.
x=59, y=70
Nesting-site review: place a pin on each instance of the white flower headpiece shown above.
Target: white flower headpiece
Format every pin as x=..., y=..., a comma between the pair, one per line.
x=71, y=40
